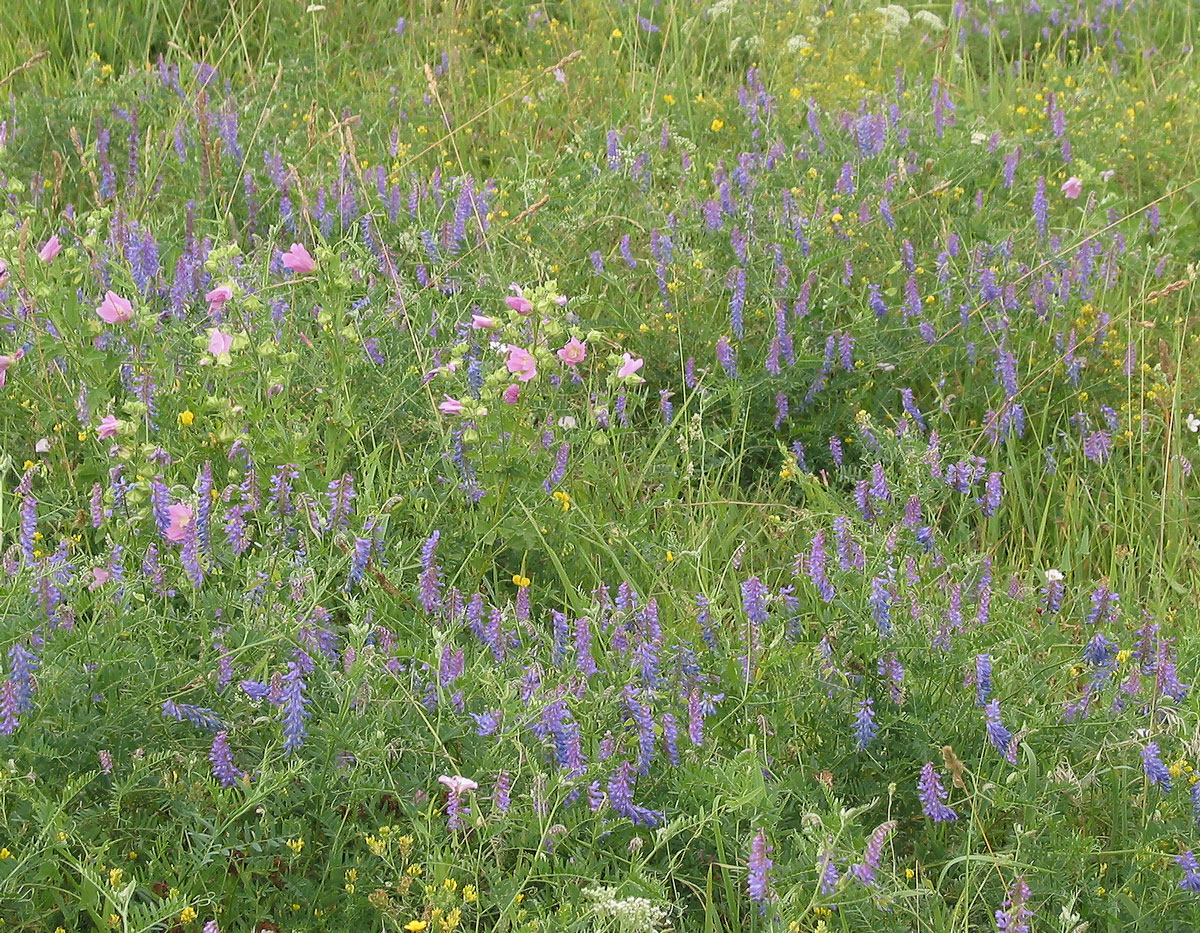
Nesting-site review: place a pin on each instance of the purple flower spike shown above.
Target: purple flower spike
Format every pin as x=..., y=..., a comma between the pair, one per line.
x=759, y=864
x=933, y=796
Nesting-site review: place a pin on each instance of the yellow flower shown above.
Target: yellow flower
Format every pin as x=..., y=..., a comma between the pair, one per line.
x=187, y=915
x=563, y=499
x=519, y=580
x=187, y=417
x=616, y=33
x=415, y=926
x=470, y=895
x=296, y=845
x=28, y=465
x=717, y=125
x=5, y=854
x=114, y=877
x=669, y=99
x=670, y=556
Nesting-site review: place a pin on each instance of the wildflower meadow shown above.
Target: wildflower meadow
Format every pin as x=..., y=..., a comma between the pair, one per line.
x=599, y=466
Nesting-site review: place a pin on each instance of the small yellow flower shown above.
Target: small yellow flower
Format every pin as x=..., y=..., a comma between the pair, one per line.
x=114, y=920
x=519, y=580
x=415, y=926
x=187, y=417
x=669, y=100
x=670, y=556
x=114, y=877
x=296, y=845
x=470, y=895
x=5, y=854
x=28, y=465
x=564, y=500
x=616, y=34
x=717, y=125
x=187, y=915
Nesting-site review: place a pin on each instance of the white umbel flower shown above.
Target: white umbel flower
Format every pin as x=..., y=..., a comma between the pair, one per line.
x=895, y=20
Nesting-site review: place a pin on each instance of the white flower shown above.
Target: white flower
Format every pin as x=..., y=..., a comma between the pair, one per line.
x=1054, y=576
x=567, y=422
x=930, y=21
x=1192, y=422
x=797, y=44
x=895, y=20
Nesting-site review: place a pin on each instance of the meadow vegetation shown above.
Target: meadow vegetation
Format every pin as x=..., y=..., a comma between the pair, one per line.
x=598, y=466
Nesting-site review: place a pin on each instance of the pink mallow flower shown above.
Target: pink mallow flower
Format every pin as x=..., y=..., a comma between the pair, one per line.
x=7, y=363
x=575, y=351
x=100, y=576
x=108, y=427
x=480, y=322
x=181, y=517
x=217, y=297
x=519, y=304
x=521, y=363
x=511, y=394
x=1072, y=187
x=219, y=343
x=299, y=260
x=451, y=406
x=50, y=249
x=629, y=368
x=114, y=309
x=458, y=784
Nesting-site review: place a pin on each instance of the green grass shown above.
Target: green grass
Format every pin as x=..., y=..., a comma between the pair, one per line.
x=428, y=165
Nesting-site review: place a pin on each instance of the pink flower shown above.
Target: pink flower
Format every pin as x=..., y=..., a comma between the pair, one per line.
x=299, y=260
x=519, y=304
x=575, y=351
x=1072, y=187
x=219, y=343
x=109, y=426
x=50, y=249
x=521, y=363
x=42, y=446
x=458, y=784
x=451, y=406
x=100, y=576
x=511, y=394
x=629, y=366
x=181, y=516
x=218, y=296
x=6, y=363
x=114, y=309
x=479, y=322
